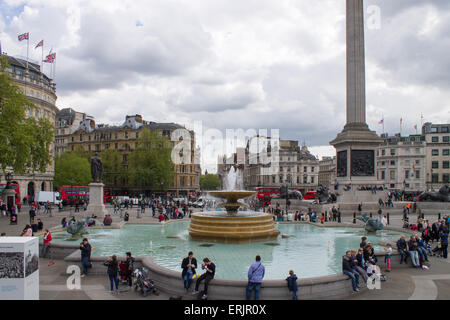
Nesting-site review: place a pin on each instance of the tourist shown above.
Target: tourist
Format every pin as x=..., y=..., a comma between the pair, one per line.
x=86, y=249
x=322, y=219
x=292, y=284
x=255, y=276
x=348, y=270
x=412, y=249
x=358, y=265
x=207, y=276
x=384, y=221
x=32, y=214
x=3, y=234
x=189, y=264
x=107, y=221
x=421, y=248
x=34, y=227
x=388, y=256
x=64, y=222
x=363, y=242
x=126, y=217
x=40, y=225
x=369, y=254
x=47, y=238
x=402, y=248
x=129, y=269
x=27, y=232
x=113, y=269
x=444, y=243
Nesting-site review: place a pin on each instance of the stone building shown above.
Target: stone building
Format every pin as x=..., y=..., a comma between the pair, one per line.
x=401, y=162
x=286, y=163
x=437, y=137
x=41, y=91
x=67, y=121
x=97, y=138
x=327, y=171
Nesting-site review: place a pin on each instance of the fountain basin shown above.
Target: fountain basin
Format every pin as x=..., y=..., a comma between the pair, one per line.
x=244, y=227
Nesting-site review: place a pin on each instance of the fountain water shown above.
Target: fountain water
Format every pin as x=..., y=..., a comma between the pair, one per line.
x=232, y=225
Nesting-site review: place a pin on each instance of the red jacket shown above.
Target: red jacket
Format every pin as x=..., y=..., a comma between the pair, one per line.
x=47, y=238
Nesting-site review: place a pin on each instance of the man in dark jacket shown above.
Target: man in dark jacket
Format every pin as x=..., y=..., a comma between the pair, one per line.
x=402, y=248
x=130, y=267
x=412, y=246
x=86, y=249
x=444, y=244
x=348, y=270
x=292, y=284
x=207, y=276
x=189, y=264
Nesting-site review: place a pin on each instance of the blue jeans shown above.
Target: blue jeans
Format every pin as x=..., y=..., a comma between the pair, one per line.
x=253, y=286
x=85, y=262
x=188, y=280
x=294, y=295
x=415, y=258
x=422, y=253
x=113, y=279
x=355, y=278
x=403, y=255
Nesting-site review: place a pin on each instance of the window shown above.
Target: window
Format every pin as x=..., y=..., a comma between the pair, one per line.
x=116, y=146
x=393, y=163
x=312, y=169
x=435, y=178
x=72, y=141
x=36, y=113
x=81, y=137
x=446, y=139
x=126, y=135
x=445, y=178
x=417, y=150
x=392, y=174
x=446, y=152
x=435, y=152
x=418, y=162
x=406, y=174
x=434, y=139
x=446, y=165
x=383, y=152
x=407, y=162
x=305, y=169
x=312, y=179
x=392, y=152
x=383, y=175
x=383, y=163
x=417, y=174
x=89, y=147
x=305, y=179
x=435, y=164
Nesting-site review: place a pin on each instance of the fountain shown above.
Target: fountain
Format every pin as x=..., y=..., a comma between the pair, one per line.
x=232, y=225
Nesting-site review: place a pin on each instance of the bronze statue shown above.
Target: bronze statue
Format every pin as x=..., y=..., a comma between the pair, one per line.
x=96, y=168
x=443, y=195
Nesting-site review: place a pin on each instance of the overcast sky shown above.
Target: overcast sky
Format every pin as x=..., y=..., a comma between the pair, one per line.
x=271, y=64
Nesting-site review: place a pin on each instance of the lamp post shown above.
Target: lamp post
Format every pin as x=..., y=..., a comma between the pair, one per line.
x=9, y=195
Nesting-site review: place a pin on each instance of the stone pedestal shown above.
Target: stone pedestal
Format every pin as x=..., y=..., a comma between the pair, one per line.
x=96, y=205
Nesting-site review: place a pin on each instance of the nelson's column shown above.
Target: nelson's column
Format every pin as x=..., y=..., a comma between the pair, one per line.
x=356, y=145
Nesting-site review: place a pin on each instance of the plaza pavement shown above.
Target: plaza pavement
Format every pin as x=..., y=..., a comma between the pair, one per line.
x=403, y=283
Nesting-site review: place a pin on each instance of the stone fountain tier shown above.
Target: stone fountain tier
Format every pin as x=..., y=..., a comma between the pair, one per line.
x=232, y=205
x=246, y=226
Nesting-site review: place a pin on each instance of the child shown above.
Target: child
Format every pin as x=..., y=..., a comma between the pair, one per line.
x=292, y=284
x=387, y=257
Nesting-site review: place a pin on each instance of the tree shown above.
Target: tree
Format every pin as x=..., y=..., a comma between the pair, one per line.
x=209, y=182
x=150, y=163
x=70, y=165
x=113, y=169
x=25, y=143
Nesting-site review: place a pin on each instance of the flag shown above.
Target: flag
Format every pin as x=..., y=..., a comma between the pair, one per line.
x=381, y=121
x=24, y=36
x=40, y=44
x=50, y=58
x=415, y=126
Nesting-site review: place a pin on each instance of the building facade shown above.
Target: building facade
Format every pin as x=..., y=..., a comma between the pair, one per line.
x=327, y=171
x=401, y=163
x=285, y=163
x=41, y=91
x=437, y=137
x=66, y=122
x=97, y=138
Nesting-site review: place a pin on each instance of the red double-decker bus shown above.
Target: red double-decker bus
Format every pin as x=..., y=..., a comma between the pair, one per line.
x=265, y=194
x=16, y=188
x=71, y=194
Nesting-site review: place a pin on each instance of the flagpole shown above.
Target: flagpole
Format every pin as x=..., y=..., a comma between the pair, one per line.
x=42, y=60
x=28, y=45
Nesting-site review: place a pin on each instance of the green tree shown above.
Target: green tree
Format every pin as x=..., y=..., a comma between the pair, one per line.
x=150, y=163
x=25, y=143
x=113, y=169
x=209, y=182
x=70, y=165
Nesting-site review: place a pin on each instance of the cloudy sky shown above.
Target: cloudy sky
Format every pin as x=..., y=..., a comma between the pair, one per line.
x=239, y=64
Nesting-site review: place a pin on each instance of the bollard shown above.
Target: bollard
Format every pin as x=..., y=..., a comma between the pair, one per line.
x=439, y=216
x=354, y=217
x=388, y=218
x=370, y=214
x=423, y=215
x=326, y=216
x=339, y=218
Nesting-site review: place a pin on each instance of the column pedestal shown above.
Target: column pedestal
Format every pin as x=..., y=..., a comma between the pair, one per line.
x=96, y=205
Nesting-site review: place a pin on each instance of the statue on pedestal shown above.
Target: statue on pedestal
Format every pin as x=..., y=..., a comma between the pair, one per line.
x=96, y=168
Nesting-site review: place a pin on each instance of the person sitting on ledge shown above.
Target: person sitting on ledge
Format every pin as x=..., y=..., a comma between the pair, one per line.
x=107, y=221
x=348, y=270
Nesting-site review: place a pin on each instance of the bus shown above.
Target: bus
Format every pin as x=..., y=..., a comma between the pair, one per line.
x=265, y=194
x=71, y=194
x=16, y=188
